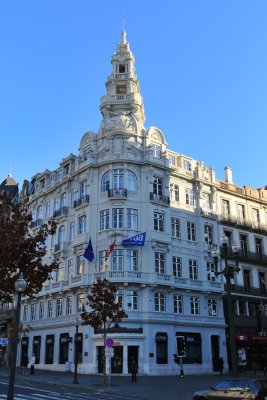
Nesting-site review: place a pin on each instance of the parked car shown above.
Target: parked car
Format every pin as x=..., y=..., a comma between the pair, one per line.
x=235, y=389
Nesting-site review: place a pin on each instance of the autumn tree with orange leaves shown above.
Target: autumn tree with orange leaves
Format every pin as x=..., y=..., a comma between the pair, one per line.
x=21, y=250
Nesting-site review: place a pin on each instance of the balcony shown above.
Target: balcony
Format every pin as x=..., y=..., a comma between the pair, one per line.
x=61, y=211
x=248, y=256
x=248, y=291
x=160, y=199
x=117, y=193
x=81, y=201
x=242, y=223
x=36, y=223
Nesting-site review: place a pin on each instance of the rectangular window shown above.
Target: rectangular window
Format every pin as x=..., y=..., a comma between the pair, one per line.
x=189, y=197
x=103, y=261
x=70, y=268
x=211, y=271
x=81, y=303
x=255, y=217
x=80, y=265
x=194, y=305
x=33, y=312
x=262, y=282
x=177, y=266
x=160, y=302
x=117, y=260
x=41, y=310
x=259, y=247
x=174, y=192
x=59, y=307
x=25, y=313
x=225, y=209
x=132, y=218
x=187, y=165
x=119, y=297
x=118, y=179
x=160, y=263
x=117, y=218
x=193, y=269
x=158, y=221
x=47, y=209
x=191, y=231
x=244, y=244
x=247, y=280
x=156, y=150
x=212, y=307
x=178, y=304
x=132, y=260
x=56, y=203
x=82, y=224
x=69, y=305
x=158, y=185
x=171, y=160
x=104, y=220
x=240, y=211
x=73, y=196
x=175, y=225
x=50, y=309
x=208, y=231
x=72, y=230
x=83, y=189
x=206, y=201
x=132, y=300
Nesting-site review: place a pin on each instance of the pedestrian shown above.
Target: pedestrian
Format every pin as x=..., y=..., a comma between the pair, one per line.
x=134, y=369
x=24, y=363
x=221, y=363
x=32, y=364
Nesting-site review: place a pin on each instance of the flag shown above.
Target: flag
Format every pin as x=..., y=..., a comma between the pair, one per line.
x=137, y=240
x=89, y=253
x=111, y=248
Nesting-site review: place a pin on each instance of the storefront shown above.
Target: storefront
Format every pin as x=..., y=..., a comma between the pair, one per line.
x=193, y=344
x=252, y=352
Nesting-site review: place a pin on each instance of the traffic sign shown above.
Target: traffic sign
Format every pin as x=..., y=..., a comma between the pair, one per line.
x=109, y=352
x=109, y=342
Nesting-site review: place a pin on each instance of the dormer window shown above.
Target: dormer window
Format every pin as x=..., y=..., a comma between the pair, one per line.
x=121, y=89
x=122, y=68
x=187, y=165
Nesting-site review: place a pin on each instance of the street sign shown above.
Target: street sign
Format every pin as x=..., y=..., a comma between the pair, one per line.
x=109, y=352
x=3, y=341
x=109, y=342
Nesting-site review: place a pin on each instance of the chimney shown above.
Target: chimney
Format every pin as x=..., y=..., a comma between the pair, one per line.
x=228, y=175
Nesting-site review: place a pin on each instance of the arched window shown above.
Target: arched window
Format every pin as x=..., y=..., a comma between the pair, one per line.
x=131, y=181
x=61, y=234
x=105, y=182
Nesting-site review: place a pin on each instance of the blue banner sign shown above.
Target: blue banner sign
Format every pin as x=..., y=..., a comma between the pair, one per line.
x=137, y=240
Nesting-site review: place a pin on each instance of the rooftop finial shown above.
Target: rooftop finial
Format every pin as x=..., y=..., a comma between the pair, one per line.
x=123, y=34
x=10, y=172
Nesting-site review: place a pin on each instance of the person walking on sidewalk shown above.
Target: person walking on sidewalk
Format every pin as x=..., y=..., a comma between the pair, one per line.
x=134, y=369
x=24, y=363
x=32, y=364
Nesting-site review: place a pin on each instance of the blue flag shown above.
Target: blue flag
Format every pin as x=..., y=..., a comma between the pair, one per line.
x=89, y=253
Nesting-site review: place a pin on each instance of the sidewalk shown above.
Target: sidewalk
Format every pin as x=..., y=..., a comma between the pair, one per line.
x=146, y=387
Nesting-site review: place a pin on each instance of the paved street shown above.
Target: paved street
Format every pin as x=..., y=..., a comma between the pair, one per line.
x=58, y=385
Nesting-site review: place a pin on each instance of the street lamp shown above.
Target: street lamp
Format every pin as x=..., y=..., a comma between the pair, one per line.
x=20, y=286
x=75, y=380
x=228, y=273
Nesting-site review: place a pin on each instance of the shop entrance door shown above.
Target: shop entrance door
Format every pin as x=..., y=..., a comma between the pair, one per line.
x=215, y=352
x=117, y=360
x=132, y=353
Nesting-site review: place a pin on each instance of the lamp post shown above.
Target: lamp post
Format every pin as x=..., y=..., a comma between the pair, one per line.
x=20, y=286
x=228, y=273
x=75, y=380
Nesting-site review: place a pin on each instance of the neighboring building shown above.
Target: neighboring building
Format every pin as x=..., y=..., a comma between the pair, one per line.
x=7, y=311
x=242, y=214
x=125, y=182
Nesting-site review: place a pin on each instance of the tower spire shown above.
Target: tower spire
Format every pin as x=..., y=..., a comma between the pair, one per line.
x=122, y=106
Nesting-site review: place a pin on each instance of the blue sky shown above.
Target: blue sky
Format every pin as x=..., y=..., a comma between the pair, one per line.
x=201, y=65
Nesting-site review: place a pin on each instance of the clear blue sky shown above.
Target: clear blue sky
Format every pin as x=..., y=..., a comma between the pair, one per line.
x=201, y=64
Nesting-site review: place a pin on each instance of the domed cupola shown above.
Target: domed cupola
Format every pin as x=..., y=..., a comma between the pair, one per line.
x=10, y=186
x=122, y=107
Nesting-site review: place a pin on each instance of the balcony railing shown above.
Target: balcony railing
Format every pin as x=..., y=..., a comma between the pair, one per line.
x=82, y=200
x=242, y=223
x=36, y=223
x=60, y=211
x=248, y=256
x=159, y=198
x=118, y=193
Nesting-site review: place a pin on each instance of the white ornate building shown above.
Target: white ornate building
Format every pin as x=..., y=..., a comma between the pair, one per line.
x=124, y=182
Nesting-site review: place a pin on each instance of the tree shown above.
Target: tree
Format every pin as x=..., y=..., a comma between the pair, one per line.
x=105, y=310
x=21, y=251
